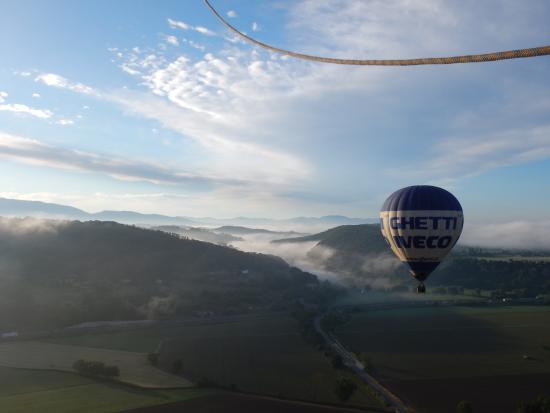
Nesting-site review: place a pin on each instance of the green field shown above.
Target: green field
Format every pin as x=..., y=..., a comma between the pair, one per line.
x=35, y=391
x=416, y=348
x=375, y=297
x=260, y=355
x=134, y=367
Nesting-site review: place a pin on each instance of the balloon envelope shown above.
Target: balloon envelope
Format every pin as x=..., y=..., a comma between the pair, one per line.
x=421, y=225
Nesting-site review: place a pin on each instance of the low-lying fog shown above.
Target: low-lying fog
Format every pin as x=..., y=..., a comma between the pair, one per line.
x=296, y=254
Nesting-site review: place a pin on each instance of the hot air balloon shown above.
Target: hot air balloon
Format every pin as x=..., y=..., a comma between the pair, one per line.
x=421, y=224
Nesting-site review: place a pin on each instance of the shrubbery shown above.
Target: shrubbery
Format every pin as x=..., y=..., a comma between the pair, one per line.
x=96, y=369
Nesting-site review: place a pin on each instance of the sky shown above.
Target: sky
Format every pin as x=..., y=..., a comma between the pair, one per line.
x=156, y=107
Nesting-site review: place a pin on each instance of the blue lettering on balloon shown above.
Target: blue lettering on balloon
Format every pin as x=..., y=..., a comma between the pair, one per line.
x=421, y=241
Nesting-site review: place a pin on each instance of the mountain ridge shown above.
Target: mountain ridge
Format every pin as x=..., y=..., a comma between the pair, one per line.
x=21, y=208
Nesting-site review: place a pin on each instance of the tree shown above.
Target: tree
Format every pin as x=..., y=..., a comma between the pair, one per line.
x=464, y=407
x=540, y=405
x=96, y=369
x=337, y=362
x=153, y=358
x=177, y=366
x=344, y=388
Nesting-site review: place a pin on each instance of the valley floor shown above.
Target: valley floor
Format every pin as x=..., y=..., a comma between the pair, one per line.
x=434, y=357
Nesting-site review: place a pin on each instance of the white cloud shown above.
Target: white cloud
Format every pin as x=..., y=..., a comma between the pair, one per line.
x=465, y=156
x=173, y=40
x=174, y=24
x=32, y=151
x=255, y=27
x=196, y=45
x=24, y=109
x=522, y=234
x=204, y=30
x=65, y=122
x=3, y=96
x=51, y=79
x=36, y=95
x=231, y=14
x=262, y=116
x=22, y=73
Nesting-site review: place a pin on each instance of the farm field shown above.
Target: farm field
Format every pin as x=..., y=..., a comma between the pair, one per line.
x=35, y=391
x=265, y=356
x=238, y=403
x=134, y=367
x=435, y=357
x=376, y=298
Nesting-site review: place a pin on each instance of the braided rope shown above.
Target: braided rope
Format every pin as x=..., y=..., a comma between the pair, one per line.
x=476, y=58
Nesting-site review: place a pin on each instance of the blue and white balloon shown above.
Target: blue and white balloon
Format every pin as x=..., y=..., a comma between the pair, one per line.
x=421, y=225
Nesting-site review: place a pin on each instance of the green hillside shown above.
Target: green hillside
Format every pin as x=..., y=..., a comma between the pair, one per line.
x=57, y=273
x=360, y=254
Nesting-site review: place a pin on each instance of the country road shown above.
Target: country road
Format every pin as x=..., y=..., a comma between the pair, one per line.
x=351, y=361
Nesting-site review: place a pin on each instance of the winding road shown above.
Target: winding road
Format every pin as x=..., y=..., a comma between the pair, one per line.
x=350, y=360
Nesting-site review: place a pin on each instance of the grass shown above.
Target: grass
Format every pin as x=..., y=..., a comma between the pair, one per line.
x=448, y=342
x=134, y=367
x=260, y=355
x=434, y=357
x=32, y=391
x=375, y=297
x=20, y=381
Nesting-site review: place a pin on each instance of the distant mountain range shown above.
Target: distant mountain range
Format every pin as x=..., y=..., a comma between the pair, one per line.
x=20, y=208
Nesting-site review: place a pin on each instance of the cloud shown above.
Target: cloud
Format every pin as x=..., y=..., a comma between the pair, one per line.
x=295, y=254
x=255, y=27
x=51, y=79
x=466, y=156
x=196, y=45
x=23, y=226
x=231, y=14
x=521, y=234
x=333, y=129
x=173, y=40
x=175, y=24
x=204, y=30
x=3, y=96
x=35, y=152
x=36, y=95
x=65, y=122
x=26, y=110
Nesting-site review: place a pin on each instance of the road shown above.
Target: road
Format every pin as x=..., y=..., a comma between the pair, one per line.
x=351, y=361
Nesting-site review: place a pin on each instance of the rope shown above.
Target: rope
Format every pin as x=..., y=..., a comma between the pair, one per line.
x=476, y=58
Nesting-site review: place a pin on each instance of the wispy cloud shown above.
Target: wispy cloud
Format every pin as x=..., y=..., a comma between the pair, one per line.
x=255, y=27
x=173, y=40
x=522, y=234
x=465, y=156
x=35, y=152
x=204, y=30
x=176, y=24
x=26, y=110
x=51, y=79
x=232, y=14
x=65, y=122
x=3, y=96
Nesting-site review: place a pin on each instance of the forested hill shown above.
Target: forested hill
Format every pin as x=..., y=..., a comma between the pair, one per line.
x=59, y=273
x=360, y=254
x=363, y=239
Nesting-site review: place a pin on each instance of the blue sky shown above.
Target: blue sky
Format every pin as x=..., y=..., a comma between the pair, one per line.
x=156, y=107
